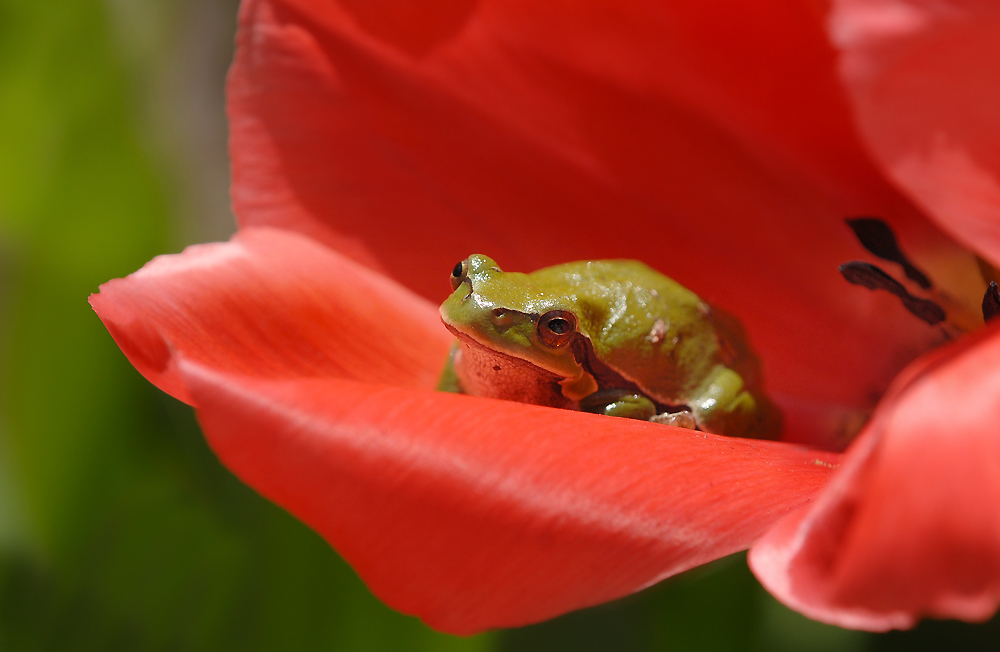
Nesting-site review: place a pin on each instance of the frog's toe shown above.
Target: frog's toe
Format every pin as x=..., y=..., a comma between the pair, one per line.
x=682, y=419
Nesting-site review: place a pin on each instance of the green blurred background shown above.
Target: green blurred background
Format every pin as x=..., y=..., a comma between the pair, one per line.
x=118, y=528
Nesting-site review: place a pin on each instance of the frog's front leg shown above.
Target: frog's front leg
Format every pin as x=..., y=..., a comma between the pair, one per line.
x=723, y=406
x=448, y=382
x=619, y=403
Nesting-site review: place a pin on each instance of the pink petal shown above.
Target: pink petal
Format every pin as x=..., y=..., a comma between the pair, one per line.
x=473, y=514
x=909, y=526
x=922, y=77
x=271, y=304
x=540, y=134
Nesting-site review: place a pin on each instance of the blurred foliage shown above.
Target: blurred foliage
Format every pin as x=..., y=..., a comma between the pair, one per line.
x=722, y=608
x=119, y=530
x=715, y=608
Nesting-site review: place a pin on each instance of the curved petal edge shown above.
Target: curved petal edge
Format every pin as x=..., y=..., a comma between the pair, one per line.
x=922, y=79
x=909, y=526
x=273, y=304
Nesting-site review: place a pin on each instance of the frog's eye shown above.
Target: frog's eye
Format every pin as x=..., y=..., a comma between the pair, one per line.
x=556, y=328
x=459, y=273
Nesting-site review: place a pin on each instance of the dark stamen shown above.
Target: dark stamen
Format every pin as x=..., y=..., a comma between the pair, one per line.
x=873, y=278
x=991, y=302
x=877, y=237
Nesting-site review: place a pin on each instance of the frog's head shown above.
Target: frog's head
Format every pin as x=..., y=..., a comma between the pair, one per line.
x=508, y=313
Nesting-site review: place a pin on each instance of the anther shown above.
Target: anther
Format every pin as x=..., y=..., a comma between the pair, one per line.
x=877, y=237
x=991, y=301
x=873, y=278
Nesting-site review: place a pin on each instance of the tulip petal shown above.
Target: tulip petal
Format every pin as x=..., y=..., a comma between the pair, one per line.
x=922, y=77
x=543, y=133
x=527, y=129
x=473, y=513
x=274, y=304
x=909, y=526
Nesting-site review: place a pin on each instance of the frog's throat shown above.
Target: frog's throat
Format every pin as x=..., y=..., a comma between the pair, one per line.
x=578, y=387
x=573, y=388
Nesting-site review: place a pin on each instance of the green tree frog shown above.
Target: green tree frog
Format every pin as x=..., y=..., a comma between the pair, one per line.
x=609, y=337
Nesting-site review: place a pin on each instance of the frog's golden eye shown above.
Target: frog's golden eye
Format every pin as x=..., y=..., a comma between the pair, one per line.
x=556, y=328
x=459, y=273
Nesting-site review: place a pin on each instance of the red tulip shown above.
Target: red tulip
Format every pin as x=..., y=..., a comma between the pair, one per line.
x=376, y=143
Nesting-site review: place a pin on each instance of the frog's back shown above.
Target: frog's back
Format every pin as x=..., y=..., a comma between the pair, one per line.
x=647, y=327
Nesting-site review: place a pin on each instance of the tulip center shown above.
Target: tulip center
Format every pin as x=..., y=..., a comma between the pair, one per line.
x=929, y=303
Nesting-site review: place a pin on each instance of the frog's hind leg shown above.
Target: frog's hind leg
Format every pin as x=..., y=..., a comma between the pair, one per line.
x=724, y=406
